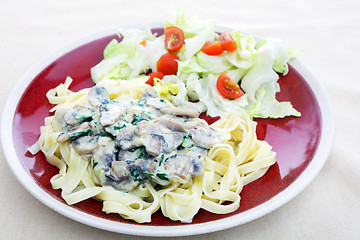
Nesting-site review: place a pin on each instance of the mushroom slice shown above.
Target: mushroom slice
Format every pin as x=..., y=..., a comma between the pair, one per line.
x=124, y=137
x=98, y=95
x=119, y=169
x=181, y=111
x=121, y=172
x=77, y=114
x=85, y=144
x=157, y=143
x=74, y=132
x=186, y=164
x=172, y=124
x=153, y=144
x=111, y=116
x=202, y=134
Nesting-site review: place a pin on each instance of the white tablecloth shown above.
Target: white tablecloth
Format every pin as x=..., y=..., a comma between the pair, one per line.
x=329, y=33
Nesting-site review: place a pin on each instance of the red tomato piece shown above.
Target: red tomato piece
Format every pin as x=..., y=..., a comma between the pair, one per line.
x=153, y=75
x=228, y=88
x=227, y=42
x=212, y=48
x=174, y=38
x=167, y=64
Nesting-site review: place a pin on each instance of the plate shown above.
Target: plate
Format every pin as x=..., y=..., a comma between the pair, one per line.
x=302, y=144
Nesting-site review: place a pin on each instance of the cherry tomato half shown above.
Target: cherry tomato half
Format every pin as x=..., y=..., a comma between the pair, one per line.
x=153, y=75
x=167, y=64
x=228, y=88
x=174, y=38
x=227, y=42
x=212, y=48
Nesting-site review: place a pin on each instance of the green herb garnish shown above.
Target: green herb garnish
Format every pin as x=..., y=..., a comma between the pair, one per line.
x=146, y=115
x=142, y=151
x=83, y=117
x=95, y=164
x=163, y=176
x=85, y=132
x=119, y=127
x=146, y=173
x=137, y=119
x=110, y=101
x=161, y=159
x=135, y=173
x=186, y=142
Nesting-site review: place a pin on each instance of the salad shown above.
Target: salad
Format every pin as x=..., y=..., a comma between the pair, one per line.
x=193, y=65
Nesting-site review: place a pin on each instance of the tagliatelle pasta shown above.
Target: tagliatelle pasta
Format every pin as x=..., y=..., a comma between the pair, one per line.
x=238, y=160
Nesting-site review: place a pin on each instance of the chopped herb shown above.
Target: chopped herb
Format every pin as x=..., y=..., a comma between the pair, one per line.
x=85, y=132
x=83, y=117
x=163, y=176
x=135, y=173
x=161, y=159
x=162, y=100
x=146, y=115
x=185, y=143
x=146, y=173
x=119, y=127
x=95, y=164
x=137, y=119
x=142, y=151
x=110, y=101
x=124, y=120
x=141, y=99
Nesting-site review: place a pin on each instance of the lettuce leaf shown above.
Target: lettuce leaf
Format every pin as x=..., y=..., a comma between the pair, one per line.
x=125, y=59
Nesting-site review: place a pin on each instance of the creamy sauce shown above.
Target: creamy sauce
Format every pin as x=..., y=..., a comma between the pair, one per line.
x=129, y=142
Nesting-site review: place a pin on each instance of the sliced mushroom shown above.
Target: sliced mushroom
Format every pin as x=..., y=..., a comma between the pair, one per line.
x=111, y=116
x=98, y=95
x=156, y=102
x=186, y=164
x=128, y=156
x=172, y=124
x=181, y=111
x=78, y=114
x=124, y=137
x=119, y=169
x=150, y=93
x=153, y=144
x=85, y=144
x=74, y=132
x=202, y=134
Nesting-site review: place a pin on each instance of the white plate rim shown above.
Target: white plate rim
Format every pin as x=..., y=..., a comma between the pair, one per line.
x=317, y=163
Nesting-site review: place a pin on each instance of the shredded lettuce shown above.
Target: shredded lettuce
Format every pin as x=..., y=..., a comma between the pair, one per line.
x=125, y=59
x=255, y=65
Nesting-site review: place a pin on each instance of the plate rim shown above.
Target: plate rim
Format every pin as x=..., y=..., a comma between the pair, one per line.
x=311, y=171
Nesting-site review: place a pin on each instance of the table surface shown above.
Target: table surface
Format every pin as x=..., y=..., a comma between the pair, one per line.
x=329, y=33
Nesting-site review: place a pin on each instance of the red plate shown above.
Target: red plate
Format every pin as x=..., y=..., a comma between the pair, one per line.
x=294, y=139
